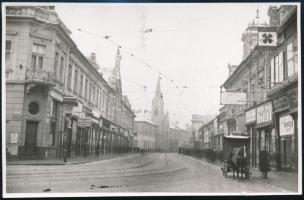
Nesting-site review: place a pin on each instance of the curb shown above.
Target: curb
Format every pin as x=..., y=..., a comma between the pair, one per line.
x=70, y=163
x=253, y=177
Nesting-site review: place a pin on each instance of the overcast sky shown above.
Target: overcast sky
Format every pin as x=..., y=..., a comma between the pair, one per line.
x=191, y=44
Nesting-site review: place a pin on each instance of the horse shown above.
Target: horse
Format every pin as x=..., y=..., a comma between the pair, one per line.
x=238, y=161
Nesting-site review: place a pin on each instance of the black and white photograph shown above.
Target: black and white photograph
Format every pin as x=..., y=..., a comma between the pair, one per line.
x=151, y=99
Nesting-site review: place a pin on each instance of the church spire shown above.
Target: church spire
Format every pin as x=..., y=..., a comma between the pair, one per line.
x=158, y=92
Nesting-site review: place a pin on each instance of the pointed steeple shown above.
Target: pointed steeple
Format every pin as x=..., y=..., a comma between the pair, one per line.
x=158, y=92
x=115, y=79
x=157, y=114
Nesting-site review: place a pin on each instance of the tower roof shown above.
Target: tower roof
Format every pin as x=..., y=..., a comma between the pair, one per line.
x=257, y=21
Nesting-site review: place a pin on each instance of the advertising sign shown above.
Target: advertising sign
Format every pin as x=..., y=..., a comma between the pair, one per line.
x=14, y=138
x=236, y=98
x=264, y=113
x=84, y=122
x=250, y=116
x=286, y=125
x=267, y=39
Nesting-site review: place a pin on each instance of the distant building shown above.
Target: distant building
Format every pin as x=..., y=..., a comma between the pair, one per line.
x=196, y=122
x=145, y=134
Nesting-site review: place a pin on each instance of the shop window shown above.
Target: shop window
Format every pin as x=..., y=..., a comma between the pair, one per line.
x=52, y=132
x=33, y=108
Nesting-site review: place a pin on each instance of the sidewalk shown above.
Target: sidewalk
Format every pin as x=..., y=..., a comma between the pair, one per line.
x=286, y=180
x=70, y=161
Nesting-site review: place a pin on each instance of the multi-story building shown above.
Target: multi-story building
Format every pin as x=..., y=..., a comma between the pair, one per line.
x=196, y=123
x=283, y=89
x=146, y=133
x=250, y=77
x=177, y=137
x=207, y=135
x=57, y=103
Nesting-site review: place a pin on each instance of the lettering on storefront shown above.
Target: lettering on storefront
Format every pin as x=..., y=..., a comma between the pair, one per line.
x=250, y=116
x=264, y=113
x=84, y=122
x=286, y=125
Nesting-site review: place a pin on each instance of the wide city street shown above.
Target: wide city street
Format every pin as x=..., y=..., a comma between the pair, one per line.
x=148, y=172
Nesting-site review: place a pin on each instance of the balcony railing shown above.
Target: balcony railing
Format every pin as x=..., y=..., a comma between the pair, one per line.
x=40, y=77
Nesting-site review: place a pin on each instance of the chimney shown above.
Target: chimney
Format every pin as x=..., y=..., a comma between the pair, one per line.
x=274, y=16
x=231, y=68
x=93, y=57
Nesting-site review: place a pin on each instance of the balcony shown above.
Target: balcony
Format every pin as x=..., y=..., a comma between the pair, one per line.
x=282, y=85
x=40, y=77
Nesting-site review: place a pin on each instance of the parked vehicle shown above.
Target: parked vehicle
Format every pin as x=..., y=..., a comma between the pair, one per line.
x=236, y=156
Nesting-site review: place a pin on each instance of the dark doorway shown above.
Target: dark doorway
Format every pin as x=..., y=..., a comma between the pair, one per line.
x=31, y=137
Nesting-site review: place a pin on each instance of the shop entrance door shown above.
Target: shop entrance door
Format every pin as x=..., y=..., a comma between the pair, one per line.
x=31, y=137
x=286, y=153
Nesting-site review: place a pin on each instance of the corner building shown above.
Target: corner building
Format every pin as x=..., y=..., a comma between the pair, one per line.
x=57, y=104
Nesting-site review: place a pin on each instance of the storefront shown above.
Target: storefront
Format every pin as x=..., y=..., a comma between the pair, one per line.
x=252, y=133
x=266, y=134
x=286, y=118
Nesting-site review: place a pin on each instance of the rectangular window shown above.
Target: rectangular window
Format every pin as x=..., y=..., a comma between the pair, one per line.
x=281, y=67
x=8, y=52
x=61, y=70
x=81, y=85
x=69, y=81
x=33, y=63
x=93, y=96
x=40, y=62
x=86, y=89
x=276, y=69
x=90, y=93
x=54, y=108
x=292, y=58
x=97, y=99
x=52, y=132
x=56, y=64
x=75, y=80
x=38, y=53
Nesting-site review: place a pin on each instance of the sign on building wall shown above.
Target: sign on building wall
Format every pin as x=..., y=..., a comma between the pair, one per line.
x=264, y=113
x=267, y=38
x=250, y=116
x=286, y=125
x=14, y=138
x=84, y=122
x=234, y=98
x=77, y=109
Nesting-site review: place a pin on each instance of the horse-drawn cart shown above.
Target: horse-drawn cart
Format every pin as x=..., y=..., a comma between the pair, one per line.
x=236, y=155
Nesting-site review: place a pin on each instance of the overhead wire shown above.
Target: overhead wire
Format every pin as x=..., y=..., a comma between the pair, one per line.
x=108, y=38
